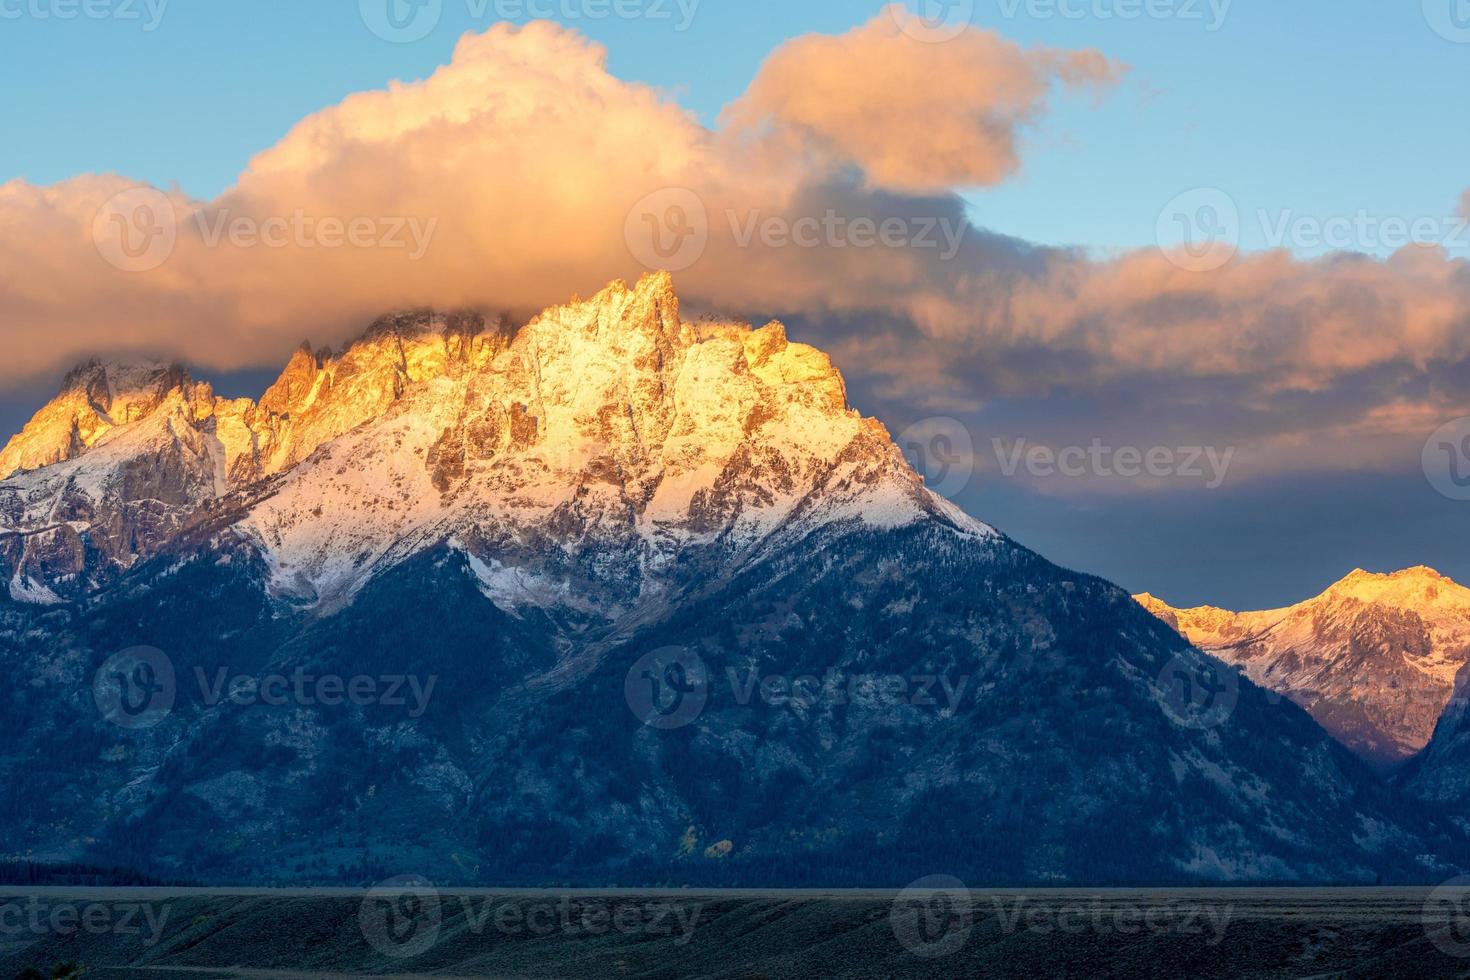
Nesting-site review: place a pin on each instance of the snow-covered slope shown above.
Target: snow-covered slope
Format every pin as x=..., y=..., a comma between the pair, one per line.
x=609, y=428
x=1373, y=658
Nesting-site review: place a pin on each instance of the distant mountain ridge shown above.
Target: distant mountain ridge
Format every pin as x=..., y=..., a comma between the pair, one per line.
x=1373, y=658
x=519, y=519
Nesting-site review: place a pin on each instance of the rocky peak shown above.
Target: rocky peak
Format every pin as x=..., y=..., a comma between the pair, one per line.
x=95, y=397
x=605, y=423
x=1373, y=658
x=289, y=392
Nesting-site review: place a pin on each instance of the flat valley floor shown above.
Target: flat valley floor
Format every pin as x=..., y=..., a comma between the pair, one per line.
x=405, y=928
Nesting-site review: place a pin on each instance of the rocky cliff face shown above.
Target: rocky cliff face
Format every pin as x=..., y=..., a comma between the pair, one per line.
x=607, y=420
x=1373, y=659
x=522, y=521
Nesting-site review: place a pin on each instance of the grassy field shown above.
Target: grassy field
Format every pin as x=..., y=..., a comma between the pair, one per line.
x=406, y=929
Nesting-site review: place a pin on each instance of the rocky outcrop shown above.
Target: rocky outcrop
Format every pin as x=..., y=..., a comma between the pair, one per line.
x=1373, y=659
x=604, y=421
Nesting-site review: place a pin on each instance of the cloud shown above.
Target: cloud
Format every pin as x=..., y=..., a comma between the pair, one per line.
x=912, y=115
x=517, y=170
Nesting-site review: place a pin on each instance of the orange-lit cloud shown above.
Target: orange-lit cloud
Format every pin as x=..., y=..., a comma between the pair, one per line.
x=507, y=179
x=912, y=115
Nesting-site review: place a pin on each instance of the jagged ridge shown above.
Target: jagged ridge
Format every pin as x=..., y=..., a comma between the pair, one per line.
x=1373, y=658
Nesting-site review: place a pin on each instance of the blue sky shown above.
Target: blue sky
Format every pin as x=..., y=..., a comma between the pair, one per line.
x=1302, y=108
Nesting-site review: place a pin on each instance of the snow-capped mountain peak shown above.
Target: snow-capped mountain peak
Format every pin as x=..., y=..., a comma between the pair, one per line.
x=1373, y=658
x=606, y=426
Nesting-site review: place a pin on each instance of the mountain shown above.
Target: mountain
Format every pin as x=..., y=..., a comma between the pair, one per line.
x=1373, y=659
x=619, y=598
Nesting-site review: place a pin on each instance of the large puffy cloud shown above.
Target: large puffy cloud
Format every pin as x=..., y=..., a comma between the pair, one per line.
x=512, y=170
x=912, y=116
x=528, y=162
